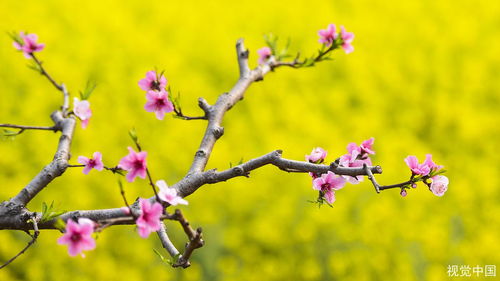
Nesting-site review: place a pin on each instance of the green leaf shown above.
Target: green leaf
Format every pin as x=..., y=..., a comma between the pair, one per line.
x=133, y=134
x=16, y=37
x=89, y=88
x=35, y=66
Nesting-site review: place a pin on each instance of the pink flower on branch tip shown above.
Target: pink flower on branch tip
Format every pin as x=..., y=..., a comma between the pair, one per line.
x=264, y=54
x=152, y=82
x=91, y=163
x=135, y=164
x=149, y=220
x=327, y=184
x=347, y=38
x=317, y=155
x=328, y=35
x=158, y=103
x=78, y=236
x=28, y=44
x=347, y=160
x=82, y=111
x=423, y=169
x=169, y=195
x=439, y=185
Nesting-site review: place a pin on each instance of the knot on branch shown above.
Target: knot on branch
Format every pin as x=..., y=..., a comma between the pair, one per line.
x=218, y=132
x=201, y=153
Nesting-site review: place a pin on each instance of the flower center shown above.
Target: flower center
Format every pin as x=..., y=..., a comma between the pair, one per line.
x=75, y=237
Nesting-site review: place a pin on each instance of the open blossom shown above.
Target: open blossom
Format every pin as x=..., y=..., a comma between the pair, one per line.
x=149, y=220
x=169, y=195
x=264, y=54
x=91, y=163
x=367, y=146
x=158, y=103
x=422, y=169
x=78, y=236
x=28, y=44
x=439, y=185
x=327, y=36
x=327, y=184
x=347, y=38
x=317, y=155
x=153, y=82
x=347, y=160
x=135, y=164
x=82, y=111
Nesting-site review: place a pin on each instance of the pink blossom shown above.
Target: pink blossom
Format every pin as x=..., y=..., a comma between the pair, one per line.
x=29, y=44
x=264, y=54
x=158, y=102
x=418, y=169
x=347, y=38
x=328, y=36
x=367, y=146
x=428, y=161
x=149, y=220
x=153, y=82
x=347, y=160
x=78, y=236
x=93, y=163
x=169, y=195
x=439, y=185
x=317, y=155
x=327, y=184
x=135, y=164
x=82, y=111
x=354, y=150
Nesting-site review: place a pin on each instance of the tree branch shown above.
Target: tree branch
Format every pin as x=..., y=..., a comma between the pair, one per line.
x=33, y=240
x=56, y=167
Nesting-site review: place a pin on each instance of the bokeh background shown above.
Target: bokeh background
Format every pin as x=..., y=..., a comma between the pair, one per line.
x=424, y=78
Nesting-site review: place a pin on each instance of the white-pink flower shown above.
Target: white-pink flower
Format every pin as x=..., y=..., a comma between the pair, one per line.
x=169, y=195
x=28, y=45
x=78, y=236
x=264, y=54
x=327, y=184
x=347, y=38
x=82, y=111
x=439, y=185
x=317, y=155
x=152, y=82
x=135, y=164
x=149, y=220
x=347, y=160
x=158, y=103
x=91, y=163
x=328, y=35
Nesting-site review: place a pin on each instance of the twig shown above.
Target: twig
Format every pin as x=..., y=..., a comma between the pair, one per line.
x=195, y=240
x=61, y=87
x=33, y=240
x=22, y=127
x=165, y=241
x=378, y=187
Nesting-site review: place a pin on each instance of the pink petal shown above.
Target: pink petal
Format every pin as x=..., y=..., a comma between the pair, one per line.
x=330, y=196
x=83, y=160
x=151, y=75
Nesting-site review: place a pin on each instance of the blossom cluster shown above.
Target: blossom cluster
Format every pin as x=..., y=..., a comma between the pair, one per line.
x=78, y=235
x=156, y=94
x=329, y=38
x=359, y=155
x=429, y=173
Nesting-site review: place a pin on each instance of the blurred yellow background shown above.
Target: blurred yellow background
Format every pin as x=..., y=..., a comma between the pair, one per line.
x=424, y=78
